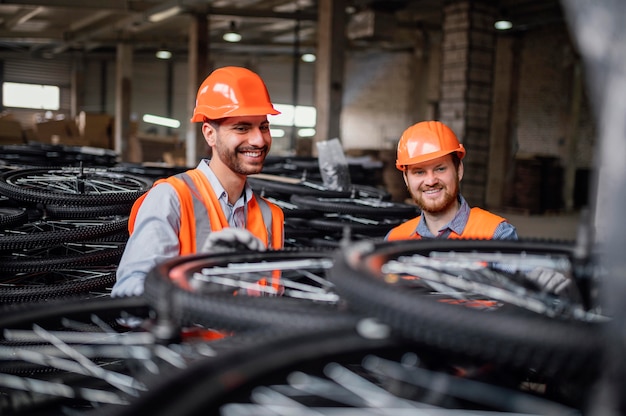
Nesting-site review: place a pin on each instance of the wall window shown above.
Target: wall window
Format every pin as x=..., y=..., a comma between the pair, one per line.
x=41, y=97
x=293, y=122
x=301, y=116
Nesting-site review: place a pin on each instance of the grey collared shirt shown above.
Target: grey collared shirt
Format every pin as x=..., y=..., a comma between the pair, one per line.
x=155, y=235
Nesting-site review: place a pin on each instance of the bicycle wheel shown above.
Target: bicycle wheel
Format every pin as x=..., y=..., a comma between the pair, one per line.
x=73, y=186
x=87, y=281
x=280, y=188
x=367, y=207
x=11, y=216
x=52, y=232
x=337, y=371
x=70, y=354
x=416, y=286
x=246, y=290
x=64, y=255
x=337, y=223
x=41, y=154
x=77, y=211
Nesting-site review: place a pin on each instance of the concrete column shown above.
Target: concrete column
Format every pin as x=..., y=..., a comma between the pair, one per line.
x=77, y=98
x=571, y=139
x=123, y=95
x=329, y=73
x=198, y=67
x=503, y=121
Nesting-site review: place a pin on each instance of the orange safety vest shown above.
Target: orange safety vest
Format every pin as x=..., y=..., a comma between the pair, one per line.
x=481, y=224
x=265, y=219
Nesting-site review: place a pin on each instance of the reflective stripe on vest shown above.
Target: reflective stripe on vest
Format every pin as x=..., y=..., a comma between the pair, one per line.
x=481, y=224
x=201, y=213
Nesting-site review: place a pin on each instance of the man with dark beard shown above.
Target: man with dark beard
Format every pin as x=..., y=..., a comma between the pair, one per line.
x=210, y=208
x=431, y=160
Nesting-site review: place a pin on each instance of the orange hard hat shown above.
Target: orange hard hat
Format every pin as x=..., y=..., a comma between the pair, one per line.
x=232, y=91
x=426, y=141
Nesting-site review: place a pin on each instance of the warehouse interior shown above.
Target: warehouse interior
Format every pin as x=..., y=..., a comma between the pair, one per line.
x=338, y=320
x=519, y=93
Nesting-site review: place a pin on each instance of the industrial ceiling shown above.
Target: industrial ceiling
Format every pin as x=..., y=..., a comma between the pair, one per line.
x=53, y=27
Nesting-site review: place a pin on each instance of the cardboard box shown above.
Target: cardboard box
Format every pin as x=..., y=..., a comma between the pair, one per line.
x=155, y=148
x=96, y=129
x=59, y=132
x=11, y=132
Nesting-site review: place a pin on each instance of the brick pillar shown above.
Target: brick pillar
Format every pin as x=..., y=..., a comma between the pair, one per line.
x=466, y=87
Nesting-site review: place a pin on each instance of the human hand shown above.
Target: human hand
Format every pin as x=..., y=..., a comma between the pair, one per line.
x=232, y=239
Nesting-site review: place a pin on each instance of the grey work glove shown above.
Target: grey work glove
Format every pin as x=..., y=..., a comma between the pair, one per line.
x=232, y=239
x=550, y=280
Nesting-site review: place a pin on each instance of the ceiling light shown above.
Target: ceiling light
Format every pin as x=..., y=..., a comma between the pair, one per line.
x=163, y=54
x=161, y=121
x=308, y=57
x=164, y=14
x=306, y=132
x=503, y=24
x=232, y=35
x=275, y=133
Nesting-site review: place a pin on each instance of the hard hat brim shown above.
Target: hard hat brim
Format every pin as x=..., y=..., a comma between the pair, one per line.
x=203, y=112
x=402, y=164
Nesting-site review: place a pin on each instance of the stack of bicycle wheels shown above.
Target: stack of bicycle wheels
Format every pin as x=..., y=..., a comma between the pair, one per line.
x=374, y=327
x=63, y=230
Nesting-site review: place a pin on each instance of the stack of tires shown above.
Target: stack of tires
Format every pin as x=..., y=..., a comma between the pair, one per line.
x=63, y=230
x=318, y=216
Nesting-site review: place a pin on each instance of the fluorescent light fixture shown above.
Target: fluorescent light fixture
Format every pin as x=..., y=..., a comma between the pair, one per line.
x=161, y=121
x=306, y=132
x=163, y=54
x=164, y=14
x=232, y=35
x=308, y=57
x=277, y=132
x=503, y=24
x=300, y=116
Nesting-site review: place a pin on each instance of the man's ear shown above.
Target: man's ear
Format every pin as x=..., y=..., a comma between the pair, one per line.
x=460, y=170
x=209, y=133
x=406, y=180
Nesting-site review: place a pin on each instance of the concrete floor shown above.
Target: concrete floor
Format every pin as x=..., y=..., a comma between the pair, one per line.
x=557, y=226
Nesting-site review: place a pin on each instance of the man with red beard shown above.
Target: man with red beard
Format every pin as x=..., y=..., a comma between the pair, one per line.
x=431, y=160
x=212, y=207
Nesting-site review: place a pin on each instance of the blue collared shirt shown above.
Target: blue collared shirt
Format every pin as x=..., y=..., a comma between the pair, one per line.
x=504, y=231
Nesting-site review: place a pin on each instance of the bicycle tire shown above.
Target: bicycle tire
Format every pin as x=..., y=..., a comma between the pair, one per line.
x=11, y=216
x=293, y=210
x=52, y=232
x=64, y=255
x=280, y=189
x=77, y=211
x=55, y=315
x=53, y=312
x=43, y=286
x=169, y=291
x=510, y=336
x=364, y=226
x=73, y=185
x=212, y=386
x=371, y=208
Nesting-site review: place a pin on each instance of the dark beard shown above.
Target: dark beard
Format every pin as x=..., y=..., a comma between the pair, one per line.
x=231, y=159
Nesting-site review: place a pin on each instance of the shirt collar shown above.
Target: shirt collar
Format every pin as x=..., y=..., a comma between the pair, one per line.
x=456, y=225
x=219, y=190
